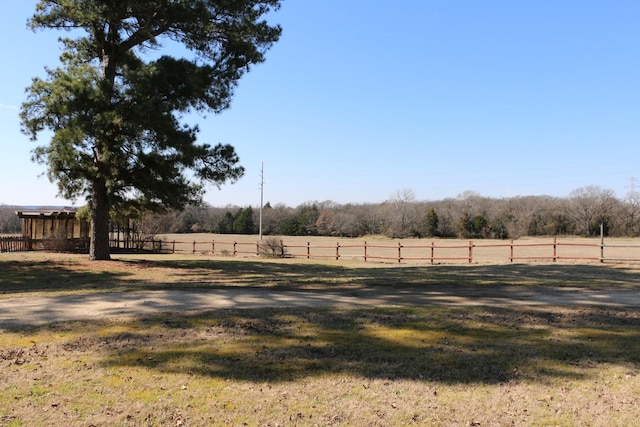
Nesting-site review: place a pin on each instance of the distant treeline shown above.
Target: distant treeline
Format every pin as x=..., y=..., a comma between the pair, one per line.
x=469, y=215
x=9, y=221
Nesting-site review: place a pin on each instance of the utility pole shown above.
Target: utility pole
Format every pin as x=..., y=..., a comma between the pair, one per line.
x=633, y=185
x=261, y=196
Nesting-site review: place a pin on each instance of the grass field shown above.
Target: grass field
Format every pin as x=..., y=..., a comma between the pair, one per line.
x=364, y=367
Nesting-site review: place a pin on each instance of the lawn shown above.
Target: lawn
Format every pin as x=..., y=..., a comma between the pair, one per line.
x=375, y=366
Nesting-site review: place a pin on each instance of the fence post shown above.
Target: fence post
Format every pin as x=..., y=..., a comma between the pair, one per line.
x=601, y=242
x=337, y=251
x=308, y=250
x=365, y=251
x=432, y=252
x=258, y=248
x=399, y=252
x=470, y=251
x=194, y=247
x=511, y=251
x=555, y=249
x=234, y=247
x=281, y=248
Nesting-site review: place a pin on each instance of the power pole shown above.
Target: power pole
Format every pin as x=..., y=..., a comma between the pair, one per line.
x=633, y=184
x=261, y=196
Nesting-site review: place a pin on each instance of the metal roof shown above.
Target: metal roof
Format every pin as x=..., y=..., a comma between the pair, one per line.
x=43, y=213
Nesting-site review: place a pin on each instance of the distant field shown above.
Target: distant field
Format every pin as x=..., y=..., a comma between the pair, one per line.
x=445, y=251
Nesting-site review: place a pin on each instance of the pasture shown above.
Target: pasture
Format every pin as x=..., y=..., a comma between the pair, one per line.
x=525, y=365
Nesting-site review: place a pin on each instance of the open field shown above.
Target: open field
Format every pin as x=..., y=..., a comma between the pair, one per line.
x=380, y=366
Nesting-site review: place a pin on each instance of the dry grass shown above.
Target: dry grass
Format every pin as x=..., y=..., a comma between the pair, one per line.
x=35, y=272
x=374, y=367
x=433, y=366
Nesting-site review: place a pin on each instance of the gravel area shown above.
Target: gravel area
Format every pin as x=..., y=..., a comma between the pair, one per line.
x=39, y=309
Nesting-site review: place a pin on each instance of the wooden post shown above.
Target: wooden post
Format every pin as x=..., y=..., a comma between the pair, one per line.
x=337, y=251
x=194, y=247
x=365, y=251
x=601, y=242
x=234, y=247
x=281, y=248
x=258, y=248
x=511, y=251
x=432, y=252
x=555, y=249
x=213, y=247
x=470, y=251
x=399, y=252
x=173, y=248
x=308, y=250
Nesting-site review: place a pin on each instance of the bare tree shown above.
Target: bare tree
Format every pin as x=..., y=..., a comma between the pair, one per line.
x=631, y=214
x=517, y=213
x=589, y=207
x=403, y=221
x=9, y=221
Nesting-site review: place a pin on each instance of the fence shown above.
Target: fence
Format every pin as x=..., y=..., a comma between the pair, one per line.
x=15, y=244
x=442, y=252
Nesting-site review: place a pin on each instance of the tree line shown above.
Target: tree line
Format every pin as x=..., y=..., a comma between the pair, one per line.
x=468, y=215
x=9, y=221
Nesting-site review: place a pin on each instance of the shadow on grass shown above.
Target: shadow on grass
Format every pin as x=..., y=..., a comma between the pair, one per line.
x=55, y=276
x=447, y=345
x=60, y=276
x=287, y=274
x=450, y=345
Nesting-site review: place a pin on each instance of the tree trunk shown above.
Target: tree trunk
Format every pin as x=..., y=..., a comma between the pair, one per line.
x=99, y=246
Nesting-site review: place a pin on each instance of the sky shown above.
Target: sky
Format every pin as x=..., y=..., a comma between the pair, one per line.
x=361, y=100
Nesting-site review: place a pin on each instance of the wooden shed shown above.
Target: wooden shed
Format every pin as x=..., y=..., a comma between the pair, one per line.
x=55, y=228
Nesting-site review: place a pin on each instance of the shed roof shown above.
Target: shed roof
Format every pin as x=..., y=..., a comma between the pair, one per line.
x=51, y=213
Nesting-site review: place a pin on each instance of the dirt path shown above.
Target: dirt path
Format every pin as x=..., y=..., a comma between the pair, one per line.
x=38, y=309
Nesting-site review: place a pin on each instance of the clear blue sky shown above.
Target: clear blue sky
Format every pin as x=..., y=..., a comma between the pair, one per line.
x=360, y=99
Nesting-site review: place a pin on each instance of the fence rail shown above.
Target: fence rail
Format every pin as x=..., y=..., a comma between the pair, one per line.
x=15, y=244
x=469, y=252
x=451, y=252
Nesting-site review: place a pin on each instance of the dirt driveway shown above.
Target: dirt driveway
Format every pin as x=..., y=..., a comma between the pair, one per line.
x=39, y=309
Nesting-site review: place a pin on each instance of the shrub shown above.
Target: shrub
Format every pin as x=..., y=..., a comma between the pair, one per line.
x=272, y=247
x=57, y=241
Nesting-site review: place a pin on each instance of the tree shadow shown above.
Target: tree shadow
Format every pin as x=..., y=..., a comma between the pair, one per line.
x=447, y=345
x=60, y=276
x=55, y=276
x=285, y=274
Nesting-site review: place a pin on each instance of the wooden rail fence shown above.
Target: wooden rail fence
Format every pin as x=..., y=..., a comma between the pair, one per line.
x=397, y=252
x=470, y=252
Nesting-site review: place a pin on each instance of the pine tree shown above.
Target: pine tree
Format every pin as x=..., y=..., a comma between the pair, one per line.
x=114, y=110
